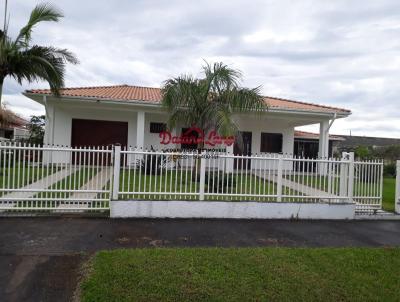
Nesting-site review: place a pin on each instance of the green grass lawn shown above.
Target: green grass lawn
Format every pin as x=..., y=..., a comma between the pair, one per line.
x=20, y=177
x=73, y=181
x=176, y=181
x=321, y=182
x=245, y=274
x=389, y=191
x=17, y=177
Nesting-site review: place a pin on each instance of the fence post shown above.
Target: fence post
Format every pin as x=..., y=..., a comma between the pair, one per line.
x=343, y=174
x=350, y=187
x=396, y=201
x=202, y=175
x=117, y=166
x=279, y=180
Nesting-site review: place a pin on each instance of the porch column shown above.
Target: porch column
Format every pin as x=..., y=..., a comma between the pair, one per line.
x=229, y=161
x=323, y=146
x=140, y=129
x=49, y=123
x=174, y=132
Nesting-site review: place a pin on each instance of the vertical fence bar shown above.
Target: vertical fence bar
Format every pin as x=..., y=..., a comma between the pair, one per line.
x=350, y=186
x=381, y=188
x=396, y=201
x=202, y=175
x=343, y=175
x=117, y=164
x=279, y=179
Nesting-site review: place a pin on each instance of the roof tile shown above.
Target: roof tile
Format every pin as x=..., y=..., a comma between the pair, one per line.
x=129, y=93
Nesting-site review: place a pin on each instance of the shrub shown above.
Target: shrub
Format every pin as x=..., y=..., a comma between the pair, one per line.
x=151, y=164
x=389, y=170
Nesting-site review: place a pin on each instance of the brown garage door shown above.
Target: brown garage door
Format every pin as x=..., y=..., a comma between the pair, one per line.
x=98, y=133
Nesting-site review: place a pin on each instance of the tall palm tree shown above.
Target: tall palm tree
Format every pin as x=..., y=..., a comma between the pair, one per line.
x=210, y=102
x=25, y=62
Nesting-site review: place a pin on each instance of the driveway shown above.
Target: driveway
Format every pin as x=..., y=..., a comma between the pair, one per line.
x=41, y=258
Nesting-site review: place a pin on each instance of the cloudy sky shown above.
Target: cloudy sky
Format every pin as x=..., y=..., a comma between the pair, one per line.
x=340, y=53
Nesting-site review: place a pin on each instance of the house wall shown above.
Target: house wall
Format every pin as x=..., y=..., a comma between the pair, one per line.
x=257, y=124
x=63, y=122
x=59, y=124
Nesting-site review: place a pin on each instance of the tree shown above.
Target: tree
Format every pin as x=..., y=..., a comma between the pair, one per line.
x=362, y=152
x=25, y=62
x=210, y=102
x=36, y=129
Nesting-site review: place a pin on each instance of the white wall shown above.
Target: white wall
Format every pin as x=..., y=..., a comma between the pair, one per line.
x=62, y=113
x=63, y=116
x=153, y=139
x=236, y=210
x=258, y=124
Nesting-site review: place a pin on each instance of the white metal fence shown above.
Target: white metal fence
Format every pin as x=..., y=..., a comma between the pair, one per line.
x=55, y=179
x=153, y=175
x=64, y=179
x=397, y=192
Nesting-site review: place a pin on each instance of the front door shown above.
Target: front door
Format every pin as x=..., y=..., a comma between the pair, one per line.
x=242, y=147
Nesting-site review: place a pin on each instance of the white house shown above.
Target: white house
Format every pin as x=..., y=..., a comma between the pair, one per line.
x=16, y=129
x=133, y=116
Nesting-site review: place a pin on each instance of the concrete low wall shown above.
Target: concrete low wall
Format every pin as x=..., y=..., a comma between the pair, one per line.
x=222, y=209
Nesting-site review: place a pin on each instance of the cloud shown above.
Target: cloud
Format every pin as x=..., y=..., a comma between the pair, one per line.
x=340, y=53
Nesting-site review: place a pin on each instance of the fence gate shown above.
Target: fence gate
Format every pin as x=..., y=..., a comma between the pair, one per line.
x=367, y=185
x=55, y=179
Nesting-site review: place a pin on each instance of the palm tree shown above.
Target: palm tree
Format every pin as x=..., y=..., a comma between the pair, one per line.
x=210, y=102
x=25, y=62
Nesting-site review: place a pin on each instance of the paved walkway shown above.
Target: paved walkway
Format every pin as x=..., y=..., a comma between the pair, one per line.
x=296, y=186
x=41, y=258
x=97, y=182
x=41, y=184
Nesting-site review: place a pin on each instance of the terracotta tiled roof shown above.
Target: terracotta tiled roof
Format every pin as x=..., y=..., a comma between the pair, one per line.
x=13, y=120
x=310, y=135
x=147, y=94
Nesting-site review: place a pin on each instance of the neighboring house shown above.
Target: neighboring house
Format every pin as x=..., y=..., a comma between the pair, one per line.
x=133, y=116
x=306, y=144
x=15, y=130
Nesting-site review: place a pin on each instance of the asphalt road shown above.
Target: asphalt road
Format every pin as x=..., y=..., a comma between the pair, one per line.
x=41, y=257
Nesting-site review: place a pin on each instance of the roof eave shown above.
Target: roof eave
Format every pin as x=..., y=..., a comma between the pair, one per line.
x=34, y=96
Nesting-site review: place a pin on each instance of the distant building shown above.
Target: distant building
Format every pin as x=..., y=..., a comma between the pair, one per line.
x=15, y=130
x=306, y=143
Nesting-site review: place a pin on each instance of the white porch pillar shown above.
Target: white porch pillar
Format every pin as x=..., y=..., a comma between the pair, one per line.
x=140, y=129
x=174, y=132
x=48, y=130
x=49, y=123
x=323, y=147
x=229, y=161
